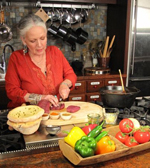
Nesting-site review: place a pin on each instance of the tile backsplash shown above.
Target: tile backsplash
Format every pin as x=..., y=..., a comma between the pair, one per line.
x=95, y=26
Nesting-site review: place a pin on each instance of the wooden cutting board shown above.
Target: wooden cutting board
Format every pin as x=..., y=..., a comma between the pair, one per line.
x=77, y=117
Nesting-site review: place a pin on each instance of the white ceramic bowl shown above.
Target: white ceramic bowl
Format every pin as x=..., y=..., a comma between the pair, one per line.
x=66, y=116
x=54, y=115
x=45, y=116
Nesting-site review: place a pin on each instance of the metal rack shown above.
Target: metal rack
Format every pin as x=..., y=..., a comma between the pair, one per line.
x=39, y=4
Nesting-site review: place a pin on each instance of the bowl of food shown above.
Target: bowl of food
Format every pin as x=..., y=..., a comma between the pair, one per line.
x=111, y=115
x=25, y=119
x=66, y=116
x=54, y=115
x=53, y=130
x=45, y=116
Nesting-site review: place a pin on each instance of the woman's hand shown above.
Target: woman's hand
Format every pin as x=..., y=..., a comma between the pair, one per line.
x=64, y=90
x=52, y=99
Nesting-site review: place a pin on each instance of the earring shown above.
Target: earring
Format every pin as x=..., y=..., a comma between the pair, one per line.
x=25, y=49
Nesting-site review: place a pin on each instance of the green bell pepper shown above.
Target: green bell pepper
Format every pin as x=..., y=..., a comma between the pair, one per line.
x=86, y=146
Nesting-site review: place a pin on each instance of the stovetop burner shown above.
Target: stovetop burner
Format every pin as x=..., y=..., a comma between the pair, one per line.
x=140, y=110
x=9, y=140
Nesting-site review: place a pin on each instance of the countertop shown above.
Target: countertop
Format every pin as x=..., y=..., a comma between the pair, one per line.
x=54, y=159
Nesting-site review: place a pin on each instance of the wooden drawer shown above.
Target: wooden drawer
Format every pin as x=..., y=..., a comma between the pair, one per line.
x=94, y=85
x=80, y=87
x=78, y=97
x=115, y=81
x=93, y=97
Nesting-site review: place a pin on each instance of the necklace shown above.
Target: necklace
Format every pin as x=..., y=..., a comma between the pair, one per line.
x=38, y=61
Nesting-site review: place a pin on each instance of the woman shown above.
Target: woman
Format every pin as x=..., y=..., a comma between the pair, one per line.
x=37, y=72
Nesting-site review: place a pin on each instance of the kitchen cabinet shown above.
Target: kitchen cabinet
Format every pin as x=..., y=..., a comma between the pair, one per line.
x=87, y=87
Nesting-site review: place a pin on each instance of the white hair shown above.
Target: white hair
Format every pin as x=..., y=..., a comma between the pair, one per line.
x=28, y=22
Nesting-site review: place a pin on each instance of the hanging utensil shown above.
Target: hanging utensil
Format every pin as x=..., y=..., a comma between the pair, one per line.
x=122, y=82
x=71, y=19
x=5, y=31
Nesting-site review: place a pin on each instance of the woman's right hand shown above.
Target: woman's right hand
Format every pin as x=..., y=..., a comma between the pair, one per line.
x=52, y=99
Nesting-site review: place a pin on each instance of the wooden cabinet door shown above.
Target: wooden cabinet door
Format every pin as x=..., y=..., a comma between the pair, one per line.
x=94, y=85
x=80, y=87
x=93, y=97
x=77, y=97
x=115, y=81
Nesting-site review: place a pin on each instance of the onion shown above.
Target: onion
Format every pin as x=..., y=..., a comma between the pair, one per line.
x=135, y=122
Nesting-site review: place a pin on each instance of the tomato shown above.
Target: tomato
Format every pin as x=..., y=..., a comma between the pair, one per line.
x=121, y=136
x=130, y=141
x=142, y=136
x=126, y=125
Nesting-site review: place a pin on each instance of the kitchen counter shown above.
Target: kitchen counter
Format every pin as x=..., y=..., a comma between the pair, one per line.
x=56, y=159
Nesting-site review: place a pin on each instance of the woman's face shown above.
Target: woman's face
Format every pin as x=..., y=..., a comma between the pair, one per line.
x=36, y=40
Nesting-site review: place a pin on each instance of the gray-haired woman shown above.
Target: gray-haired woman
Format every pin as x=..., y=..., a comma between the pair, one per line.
x=38, y=71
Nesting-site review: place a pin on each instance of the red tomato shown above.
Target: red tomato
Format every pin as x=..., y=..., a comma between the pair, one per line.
x=130, y=141
x=142, y=136
x=126, y=125
x=121, y=136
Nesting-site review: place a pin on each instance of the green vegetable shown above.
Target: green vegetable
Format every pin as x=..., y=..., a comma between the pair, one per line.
x=101, y=135
x=96, y=130
x=86, y=146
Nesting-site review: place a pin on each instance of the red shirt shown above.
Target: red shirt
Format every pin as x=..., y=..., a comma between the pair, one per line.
x=23, y=76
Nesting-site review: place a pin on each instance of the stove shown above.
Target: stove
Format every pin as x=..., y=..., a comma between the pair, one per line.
x=140, y=110
x=13, y=143
x=9, y=140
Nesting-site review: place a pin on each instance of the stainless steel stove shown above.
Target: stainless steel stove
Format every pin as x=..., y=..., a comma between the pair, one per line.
x=13, y=143
x=140, y=110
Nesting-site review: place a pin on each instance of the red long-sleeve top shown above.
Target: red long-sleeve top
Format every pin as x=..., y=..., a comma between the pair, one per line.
x=23, y=76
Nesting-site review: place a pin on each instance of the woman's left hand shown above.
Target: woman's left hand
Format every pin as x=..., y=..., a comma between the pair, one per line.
x=64, y=91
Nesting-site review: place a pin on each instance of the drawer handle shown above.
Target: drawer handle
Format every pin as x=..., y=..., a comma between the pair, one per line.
x=95, y=83
x=77, y=87
x=78, y=84
x=94, y=97
x=112, y=82
x=77, y=98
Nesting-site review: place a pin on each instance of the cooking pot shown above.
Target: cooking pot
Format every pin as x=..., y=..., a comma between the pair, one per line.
x=53, y=30
x=82, y=36
x=81, y=15
x=113, y=96
x=62, y=31
x=71, y=36
x=71, y=17
x=5, y=31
